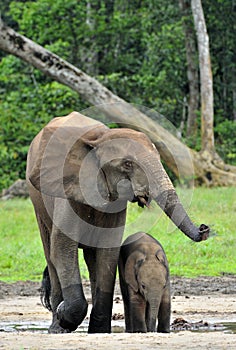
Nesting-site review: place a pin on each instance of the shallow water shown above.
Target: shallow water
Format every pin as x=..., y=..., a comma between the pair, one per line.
x=42, y=327
x=117, y=327
x=230, y=327
x=226, y=327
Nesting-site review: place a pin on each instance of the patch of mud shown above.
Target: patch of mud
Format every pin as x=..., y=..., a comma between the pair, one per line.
x=225, y=284
x=180, y=324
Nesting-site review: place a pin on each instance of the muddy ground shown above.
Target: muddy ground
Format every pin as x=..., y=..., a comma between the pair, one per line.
x=204, y=309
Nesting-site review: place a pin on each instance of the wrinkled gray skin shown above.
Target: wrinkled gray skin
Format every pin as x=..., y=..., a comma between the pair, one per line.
x=145, y=284
x=80, y=176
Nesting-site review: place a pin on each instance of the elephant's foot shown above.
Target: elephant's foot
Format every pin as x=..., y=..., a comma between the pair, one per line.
x=163, y=329
x=70, y=317
x=100, y=318
x=99, y=323
x=55, y=328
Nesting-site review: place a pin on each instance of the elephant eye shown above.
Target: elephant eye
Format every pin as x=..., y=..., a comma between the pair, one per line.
x=128, y=164
x=143, y=286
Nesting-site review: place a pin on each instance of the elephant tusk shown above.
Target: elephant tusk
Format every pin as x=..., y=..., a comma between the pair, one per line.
x=143, y=202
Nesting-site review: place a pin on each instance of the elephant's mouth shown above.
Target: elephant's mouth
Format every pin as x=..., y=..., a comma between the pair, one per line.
x=143, y=201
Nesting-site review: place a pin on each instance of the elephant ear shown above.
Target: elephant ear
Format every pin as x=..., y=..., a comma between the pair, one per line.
x=161, y=257
x=133, y=263
x=61, y=159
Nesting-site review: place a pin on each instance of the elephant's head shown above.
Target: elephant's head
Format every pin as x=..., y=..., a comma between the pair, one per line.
x=147, y=273
x=77, y=158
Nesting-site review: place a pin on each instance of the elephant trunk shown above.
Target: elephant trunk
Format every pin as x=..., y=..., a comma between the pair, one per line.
x=151, y=314
x=163, y=192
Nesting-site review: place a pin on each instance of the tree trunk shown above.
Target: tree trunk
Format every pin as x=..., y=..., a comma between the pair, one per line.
x=92, y=57
x=207, y=113
x=192, y=69
x=179, y=158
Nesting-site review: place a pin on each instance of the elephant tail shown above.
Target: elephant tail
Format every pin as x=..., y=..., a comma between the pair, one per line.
x=45, y=290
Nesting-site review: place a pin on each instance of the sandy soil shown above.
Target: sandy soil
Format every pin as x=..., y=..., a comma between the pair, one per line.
x=23, y=320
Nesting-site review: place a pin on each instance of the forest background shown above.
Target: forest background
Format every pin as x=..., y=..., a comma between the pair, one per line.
x=137, y=49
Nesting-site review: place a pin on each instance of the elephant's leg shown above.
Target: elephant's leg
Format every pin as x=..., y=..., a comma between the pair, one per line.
x=64, y=256
x=125, y=296
x=164, y=312
x=90, y=259
x=128, y=327
x=126, y=302
x=106, y=264
x=56, y=299
x=137, y=312
x=55, y=293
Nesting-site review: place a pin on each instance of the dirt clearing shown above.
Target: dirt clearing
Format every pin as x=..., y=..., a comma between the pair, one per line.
x=208, y=302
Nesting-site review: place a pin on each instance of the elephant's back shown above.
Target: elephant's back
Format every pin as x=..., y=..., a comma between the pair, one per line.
x=140, y=241
x=58, y=136
x=138, y=237
x=74, y=119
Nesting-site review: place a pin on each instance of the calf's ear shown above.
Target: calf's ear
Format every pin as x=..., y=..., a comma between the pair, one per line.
x=160, y=255
x=133, y=263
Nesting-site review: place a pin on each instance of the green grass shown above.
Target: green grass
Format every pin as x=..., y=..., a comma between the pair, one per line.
x=21, y=252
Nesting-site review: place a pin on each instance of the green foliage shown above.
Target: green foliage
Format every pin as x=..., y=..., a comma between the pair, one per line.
x=137, y=49
x=24, y=111
x=221, y=18
x=226, y=141
x=22, y=256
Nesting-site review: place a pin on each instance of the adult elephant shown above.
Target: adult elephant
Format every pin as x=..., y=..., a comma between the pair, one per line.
x=81, y=175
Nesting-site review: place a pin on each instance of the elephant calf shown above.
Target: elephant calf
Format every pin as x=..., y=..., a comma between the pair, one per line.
x=145, y=284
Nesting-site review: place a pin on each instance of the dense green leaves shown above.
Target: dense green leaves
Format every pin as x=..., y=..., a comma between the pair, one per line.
x=221, y=25
x=137, y=49
x=24, y=111
x=226, y=140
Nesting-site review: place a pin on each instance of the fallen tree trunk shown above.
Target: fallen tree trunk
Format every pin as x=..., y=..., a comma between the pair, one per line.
x=185, y=163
